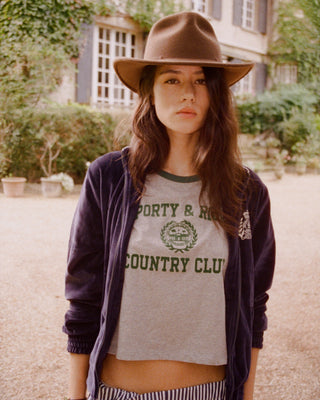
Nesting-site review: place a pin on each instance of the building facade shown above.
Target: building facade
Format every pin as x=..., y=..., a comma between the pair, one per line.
x=243, y=28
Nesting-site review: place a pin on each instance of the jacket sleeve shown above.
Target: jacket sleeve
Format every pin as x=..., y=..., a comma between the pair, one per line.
x=263, y=243
x=84, y=276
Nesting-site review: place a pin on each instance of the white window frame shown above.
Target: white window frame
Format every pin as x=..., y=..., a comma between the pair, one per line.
x=286, y=73
x=108, y=44
x=199, y=6
x=248, y=14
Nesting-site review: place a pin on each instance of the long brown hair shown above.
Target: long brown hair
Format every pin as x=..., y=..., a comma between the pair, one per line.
x=216, y=158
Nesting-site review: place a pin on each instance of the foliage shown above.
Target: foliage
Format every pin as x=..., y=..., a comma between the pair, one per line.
x=37, y=41
x=295, y=131
x=298, y=37
x=147, y=12
x=75, y=132
x=286, y=114
x=56, y=21
x=263, y=112
x=28, y=72
x=144, y=12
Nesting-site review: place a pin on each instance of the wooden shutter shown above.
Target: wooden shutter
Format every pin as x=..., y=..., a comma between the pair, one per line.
x=261, y=77
x=237, y=12
x=84, y=76
x=217, y=9
x=263, y=16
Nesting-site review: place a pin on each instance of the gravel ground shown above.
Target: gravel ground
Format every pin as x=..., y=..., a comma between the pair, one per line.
x=34, y=235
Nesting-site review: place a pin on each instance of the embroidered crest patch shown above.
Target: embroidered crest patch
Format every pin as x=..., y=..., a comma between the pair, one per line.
x=179, y=236
x=245, y=227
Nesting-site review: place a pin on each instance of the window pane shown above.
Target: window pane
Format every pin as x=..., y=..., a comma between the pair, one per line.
x=109, y=89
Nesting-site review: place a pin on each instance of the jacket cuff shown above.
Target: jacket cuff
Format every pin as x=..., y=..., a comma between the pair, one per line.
x=79, y=345
x=257, y=340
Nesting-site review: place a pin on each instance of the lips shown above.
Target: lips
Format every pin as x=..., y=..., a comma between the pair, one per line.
x=187, y=112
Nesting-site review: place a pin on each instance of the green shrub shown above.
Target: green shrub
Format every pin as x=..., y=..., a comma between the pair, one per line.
x=37, y=142
x=19, y=144
x=249, y=117
x=263, y=113
x=296, y=130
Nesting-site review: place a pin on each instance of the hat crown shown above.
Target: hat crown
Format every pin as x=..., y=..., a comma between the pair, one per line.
x=183, y=36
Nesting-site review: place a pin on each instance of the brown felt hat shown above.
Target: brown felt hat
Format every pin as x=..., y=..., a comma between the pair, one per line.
x=184, y=38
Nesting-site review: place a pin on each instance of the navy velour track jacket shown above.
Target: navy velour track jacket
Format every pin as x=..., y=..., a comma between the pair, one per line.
x=99, y=238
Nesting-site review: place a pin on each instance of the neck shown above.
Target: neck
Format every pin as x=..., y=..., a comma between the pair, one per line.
x=180, y=159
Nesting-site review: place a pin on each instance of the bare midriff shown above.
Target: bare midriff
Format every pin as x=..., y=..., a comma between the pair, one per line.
x=155, y=375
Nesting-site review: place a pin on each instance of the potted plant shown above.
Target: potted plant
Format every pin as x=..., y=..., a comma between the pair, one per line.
x=53, y=185
x=13, y=186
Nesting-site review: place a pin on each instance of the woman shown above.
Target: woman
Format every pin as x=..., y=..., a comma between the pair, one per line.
x=171, y=249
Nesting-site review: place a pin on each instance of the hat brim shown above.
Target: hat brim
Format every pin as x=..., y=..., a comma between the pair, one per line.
x=129, y=69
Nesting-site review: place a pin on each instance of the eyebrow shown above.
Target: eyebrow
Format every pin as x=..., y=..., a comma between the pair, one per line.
x=173, y=71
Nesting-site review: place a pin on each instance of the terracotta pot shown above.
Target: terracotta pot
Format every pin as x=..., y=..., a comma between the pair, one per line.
x=14, y=186
x=50, y=187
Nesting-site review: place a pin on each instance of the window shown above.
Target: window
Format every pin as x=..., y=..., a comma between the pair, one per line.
x=110, y=44
x=199, y=6
x=245, y=85
x=286, y=73
x=248, y=13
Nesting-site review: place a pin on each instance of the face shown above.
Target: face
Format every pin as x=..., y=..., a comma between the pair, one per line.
x=181, y=98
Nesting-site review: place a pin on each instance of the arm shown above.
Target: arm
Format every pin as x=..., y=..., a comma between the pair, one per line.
x=249, y=385
x=84, y=277
x=79, y=365
x=264, y=260
x=84, y=283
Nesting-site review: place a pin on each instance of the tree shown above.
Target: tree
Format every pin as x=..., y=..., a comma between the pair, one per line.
x=298, y=37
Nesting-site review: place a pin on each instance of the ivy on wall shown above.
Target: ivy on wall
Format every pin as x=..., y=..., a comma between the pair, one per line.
x=144, y=12
x=57, y=21
x=297, y=37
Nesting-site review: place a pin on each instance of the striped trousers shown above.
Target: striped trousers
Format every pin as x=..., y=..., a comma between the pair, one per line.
x=207, y=391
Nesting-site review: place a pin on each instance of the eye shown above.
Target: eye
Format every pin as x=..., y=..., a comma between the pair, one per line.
x=171, y=81
x=201, y=81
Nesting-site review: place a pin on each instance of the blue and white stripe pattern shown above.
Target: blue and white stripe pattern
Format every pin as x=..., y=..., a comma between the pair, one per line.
x=207, y=391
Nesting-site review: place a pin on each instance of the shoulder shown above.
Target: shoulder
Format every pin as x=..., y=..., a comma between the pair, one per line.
x=110, y=165
x=253, y=185
x=257, y=199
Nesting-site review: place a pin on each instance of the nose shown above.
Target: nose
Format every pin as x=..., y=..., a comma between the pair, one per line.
x=188, y=92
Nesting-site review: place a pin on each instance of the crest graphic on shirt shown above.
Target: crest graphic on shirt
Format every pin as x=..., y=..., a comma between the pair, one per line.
x=245, y=227
x=179, y=236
